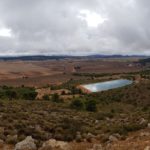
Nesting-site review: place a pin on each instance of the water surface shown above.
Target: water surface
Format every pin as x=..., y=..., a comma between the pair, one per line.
x=103, y=86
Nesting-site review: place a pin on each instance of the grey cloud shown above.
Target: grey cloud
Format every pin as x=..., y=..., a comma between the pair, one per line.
x=53, y=27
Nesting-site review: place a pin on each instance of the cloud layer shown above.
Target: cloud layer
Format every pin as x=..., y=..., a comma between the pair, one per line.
x=60, y=27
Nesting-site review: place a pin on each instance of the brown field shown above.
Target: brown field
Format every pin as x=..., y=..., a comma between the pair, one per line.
x=40, y=73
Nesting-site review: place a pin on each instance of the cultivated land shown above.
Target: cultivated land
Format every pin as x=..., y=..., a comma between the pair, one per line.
x=40, y=73
x=43, y=99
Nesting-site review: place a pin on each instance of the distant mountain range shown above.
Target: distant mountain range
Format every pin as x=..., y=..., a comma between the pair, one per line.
x=58, y=57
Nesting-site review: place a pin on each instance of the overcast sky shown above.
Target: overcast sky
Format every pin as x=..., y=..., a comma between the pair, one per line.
x=74, y=27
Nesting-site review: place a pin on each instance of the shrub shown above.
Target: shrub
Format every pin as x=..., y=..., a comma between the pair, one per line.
x=77, y=104
x=91, y=105
x=75, y=90
x=30, y=95
x=55, y=98
x=45, y=97
x=10, y=94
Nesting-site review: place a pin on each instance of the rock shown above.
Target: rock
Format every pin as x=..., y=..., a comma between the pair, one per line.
x=96, y=121
x=148, y=125
x=96, y=147
x=143, y=121
x=38, y=128
x=52, y=143
x=117, y=135
x=112, y=138
x=78, y=137
x=147, y=148
x=89, y=137
x=1, y=142
x=108, y=119
x=144, y=134
x=27, y=144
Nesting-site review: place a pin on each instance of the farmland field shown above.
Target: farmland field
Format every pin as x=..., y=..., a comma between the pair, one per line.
x=39, y=73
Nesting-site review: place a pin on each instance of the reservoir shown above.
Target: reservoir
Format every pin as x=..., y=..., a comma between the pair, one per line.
x=107, y=85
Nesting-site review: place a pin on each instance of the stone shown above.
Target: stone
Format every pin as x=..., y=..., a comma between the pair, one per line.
x=27, y=144
x=78, y=137
x=147, y=148
x=89, y=137
x=112, y=138
x=143, y=121
x=144, y=134
x=96, y=121
x=1, y=142
x=117, y=135
x=52, y=143
x=148, y=125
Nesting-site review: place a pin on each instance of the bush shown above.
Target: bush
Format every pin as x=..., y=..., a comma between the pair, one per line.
x=55, y=98
x=91, y=105
x=77, y=104
x=30, y=95
x=75, y=90
x=11, y=94
x=46, y=97
x=17, y=93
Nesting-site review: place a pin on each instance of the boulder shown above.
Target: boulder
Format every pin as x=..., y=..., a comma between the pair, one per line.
x=144, y=134
x=78, y=137
x=52, y=144
x=113, y=138
x=90, y=135
x=27, y=144
x=148, y=125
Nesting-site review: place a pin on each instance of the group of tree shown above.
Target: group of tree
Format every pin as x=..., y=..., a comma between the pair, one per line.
x=12, y=93
x=82, y=104
x=54, y=98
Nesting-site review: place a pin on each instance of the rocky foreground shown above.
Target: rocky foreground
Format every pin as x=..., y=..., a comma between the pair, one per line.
x=139, y=140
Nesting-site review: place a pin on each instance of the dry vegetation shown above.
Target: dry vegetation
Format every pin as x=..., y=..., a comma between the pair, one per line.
x=63, y=112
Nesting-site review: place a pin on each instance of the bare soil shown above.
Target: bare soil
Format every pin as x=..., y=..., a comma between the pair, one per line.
x=39, y=73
